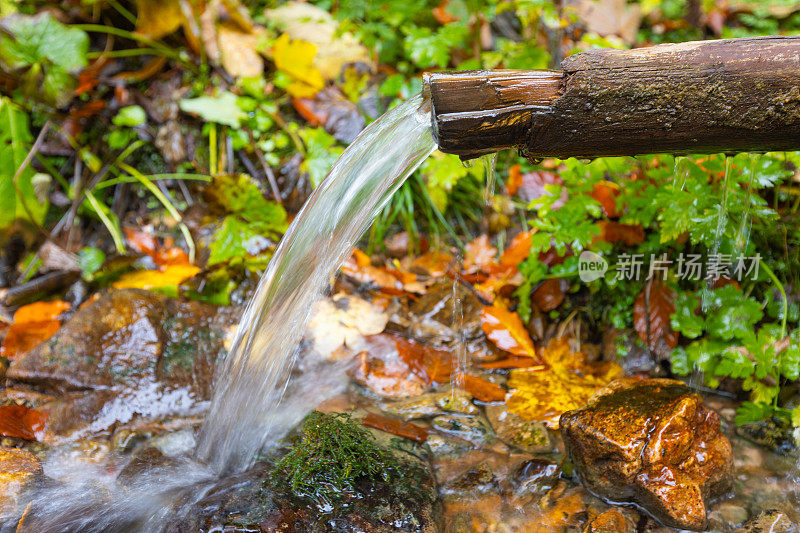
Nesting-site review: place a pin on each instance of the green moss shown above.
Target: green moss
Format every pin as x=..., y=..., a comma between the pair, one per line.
x=330, y=455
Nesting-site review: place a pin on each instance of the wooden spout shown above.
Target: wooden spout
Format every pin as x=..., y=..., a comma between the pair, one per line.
x=729, y=95
x=483, y=111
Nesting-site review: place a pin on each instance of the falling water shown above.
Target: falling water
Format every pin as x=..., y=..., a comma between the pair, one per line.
x=255, y=373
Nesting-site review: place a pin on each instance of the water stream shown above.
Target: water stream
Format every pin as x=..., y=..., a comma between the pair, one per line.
x=254, y=375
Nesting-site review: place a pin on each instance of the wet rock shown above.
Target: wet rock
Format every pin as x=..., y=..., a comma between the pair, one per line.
x=175, y=443
x=436, y=317
x=433, y=404
x=775, y=434
x=244, y=501
x=473, y=429
x=534, y=476
x=611, y=521
x=531, y=437
x=772, y=521
x=132, y=354
x=726, y=516
x=477, y=480
x=445, y=445
x=18, y=469
x=650, y=442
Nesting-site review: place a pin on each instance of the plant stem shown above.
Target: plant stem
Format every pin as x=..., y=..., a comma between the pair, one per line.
x=779, y=285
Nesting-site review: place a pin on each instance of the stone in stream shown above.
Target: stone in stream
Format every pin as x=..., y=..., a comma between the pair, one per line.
x=650, y=442
x=245, y=501
x=18, y=469
x=432, y=404
x=772, y=521
x=531, y=437
x=132, y=355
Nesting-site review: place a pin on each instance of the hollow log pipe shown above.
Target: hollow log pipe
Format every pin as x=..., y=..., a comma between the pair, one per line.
x=731, y=95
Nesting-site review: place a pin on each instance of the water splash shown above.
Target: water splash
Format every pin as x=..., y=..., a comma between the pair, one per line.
x=255, y=373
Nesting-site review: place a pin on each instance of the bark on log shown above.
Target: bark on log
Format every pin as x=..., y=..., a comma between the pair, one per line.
x=728, y=95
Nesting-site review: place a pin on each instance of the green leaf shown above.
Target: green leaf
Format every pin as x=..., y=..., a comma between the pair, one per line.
x=321, y=153
x=51, y=52
x=130, y=116
x=15, y=142
x=685, y=319
x=90, y=260
x=252, y=226
x=222, y=109
x=750, y=412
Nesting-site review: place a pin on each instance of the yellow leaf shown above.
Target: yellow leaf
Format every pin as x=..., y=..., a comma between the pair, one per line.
x=567, y=383
x=153, y=279
x=295, y=58
x=158, y=18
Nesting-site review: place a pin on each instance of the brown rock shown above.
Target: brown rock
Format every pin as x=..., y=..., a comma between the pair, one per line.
x=650, y=442
x=611, y=521
x=132, y=354
x=18, y=468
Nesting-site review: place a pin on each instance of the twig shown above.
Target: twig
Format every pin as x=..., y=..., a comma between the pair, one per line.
x=273, y=183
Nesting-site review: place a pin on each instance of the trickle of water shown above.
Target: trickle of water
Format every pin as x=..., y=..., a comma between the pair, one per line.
x=254, y=375
x=489, y=162
x=459, y=344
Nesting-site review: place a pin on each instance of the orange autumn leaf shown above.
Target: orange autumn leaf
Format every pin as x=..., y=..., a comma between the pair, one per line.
x=427, y=362
x=435, y=263
x=22, y=422
x=514, y=179
x=33, y=324
x=395, y=427
x=163, y=255
x=499, y=284
x=441, y=14
x=512, y=362
x=389, y=280
x=171, y=276
x=605, y=193
x=518, y=249
x=614, y=232
x=567, y=382
x=651, y=316
x=506, y=330
x=481, y=389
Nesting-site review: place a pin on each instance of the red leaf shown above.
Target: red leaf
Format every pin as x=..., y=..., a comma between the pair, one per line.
x=395, y=427
x=425, y=361
x=605, y=193
x=21, y=422
x=651, y=312
x=614, y=232
x=533, y=186
x=514, y=179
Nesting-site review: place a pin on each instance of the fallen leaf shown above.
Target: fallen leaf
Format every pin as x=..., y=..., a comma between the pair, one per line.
x=392, y=281
x=395, y=427
x=295, y=57
x=335, y=49
x=651, y=316
x=481, y=389
x=329, y=108
x=535, y=185
x=611, y=17
x=606, y=193
x=158, y=18
x=434, y=262
x=386, y=376
x=344, y=321
x=512, y=362
x=427, y=362
x=238, y=51
x=22, y=422
x=171, y=276
x=614, y=232
x=479, y=254
x=567, y=383
x=32, y=324
x=517, y=250
x=497, y=284
x=441, y=14
x=514, y=179
x=506, y=330
x=222, y=109
x=549, y=294
x=163, y=255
